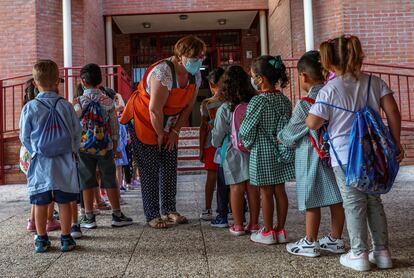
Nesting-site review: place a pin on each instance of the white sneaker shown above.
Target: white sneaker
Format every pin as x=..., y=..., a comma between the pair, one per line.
x=206, y=215
x=336, y=246
x=380, y=258
x=356, y=262
x=303, y=247
x=264, y=238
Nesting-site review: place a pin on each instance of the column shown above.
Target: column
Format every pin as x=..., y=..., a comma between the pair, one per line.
x=263, y=33
x=67, y=45
x=109, y=50
x=308, y=17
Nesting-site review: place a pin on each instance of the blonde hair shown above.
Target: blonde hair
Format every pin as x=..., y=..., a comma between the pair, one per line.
x=46, y=73
x=344, y=54
x=189, y=46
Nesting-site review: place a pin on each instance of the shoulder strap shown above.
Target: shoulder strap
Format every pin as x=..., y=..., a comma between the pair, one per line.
x=59, y=98
x=308, y=99
x=369, y=88
x=174, y=77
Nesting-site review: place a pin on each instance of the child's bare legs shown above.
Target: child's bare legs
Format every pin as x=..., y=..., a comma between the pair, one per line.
x=209, y=187
x=267, y=193
x=50, y=210
x=40, y=213
x=65, y=217
x=237, y=193
x=337, y=220
x=113, y=196
x=281, y=205
x=253, y=197
x=313, y=220
x=74, y=213
x=97, y=195
x=119, y=176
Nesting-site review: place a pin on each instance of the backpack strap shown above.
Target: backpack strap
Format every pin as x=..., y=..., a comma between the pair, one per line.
x=308, y=99
x=174, y=77
x=369, y=88
x=46, y=105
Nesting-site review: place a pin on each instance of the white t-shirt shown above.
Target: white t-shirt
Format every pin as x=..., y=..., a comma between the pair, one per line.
x=346, y=92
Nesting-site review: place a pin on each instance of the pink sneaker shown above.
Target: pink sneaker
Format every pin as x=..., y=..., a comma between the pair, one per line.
x=281, y=236
x=52, y=225
x=265, y=238
x=31, y=227
x=251, y=228
x=237, y=230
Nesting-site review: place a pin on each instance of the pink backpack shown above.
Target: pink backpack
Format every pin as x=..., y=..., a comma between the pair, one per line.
x=237, y=118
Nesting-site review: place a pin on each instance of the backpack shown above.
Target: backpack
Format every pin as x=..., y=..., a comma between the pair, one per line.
x=95, y=130
x=322, y=146
x=372, y=165
x=237, y=118
x=55, y=138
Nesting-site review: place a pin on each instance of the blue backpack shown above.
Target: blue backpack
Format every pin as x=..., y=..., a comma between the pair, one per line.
x=372, y=165
x=55, y=138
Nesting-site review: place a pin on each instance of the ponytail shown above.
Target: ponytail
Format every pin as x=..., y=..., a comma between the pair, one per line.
x=344, y=54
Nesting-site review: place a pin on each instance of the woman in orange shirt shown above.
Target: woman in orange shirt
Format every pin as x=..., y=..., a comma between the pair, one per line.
x=159, y=107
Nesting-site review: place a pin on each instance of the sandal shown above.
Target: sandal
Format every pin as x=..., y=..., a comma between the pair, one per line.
x=175, y=218
x=158, y=223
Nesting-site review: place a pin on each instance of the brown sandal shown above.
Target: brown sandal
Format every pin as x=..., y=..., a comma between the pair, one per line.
x=175, y=218
x=158, y=223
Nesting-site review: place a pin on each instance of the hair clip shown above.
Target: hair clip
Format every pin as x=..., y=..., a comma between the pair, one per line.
x=276, y=62
x=347, y=36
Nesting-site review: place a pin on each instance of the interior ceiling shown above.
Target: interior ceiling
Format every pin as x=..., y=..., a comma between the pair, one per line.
x=196, y=21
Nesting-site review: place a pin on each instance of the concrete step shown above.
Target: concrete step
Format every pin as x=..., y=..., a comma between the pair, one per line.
x=188, y=152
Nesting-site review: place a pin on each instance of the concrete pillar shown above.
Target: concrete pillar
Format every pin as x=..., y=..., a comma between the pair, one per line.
x=263, y=33
x=109, y=49
x=308, y=17
x=67, y=44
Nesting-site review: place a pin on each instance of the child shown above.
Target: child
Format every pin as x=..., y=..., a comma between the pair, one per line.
x=267, y=114
x=100, y=133
x=208, y=112
x=315, y=183
x=120, y=162
x=30, y=93
x=344, y=56
x=235, y=90
x=51, y=176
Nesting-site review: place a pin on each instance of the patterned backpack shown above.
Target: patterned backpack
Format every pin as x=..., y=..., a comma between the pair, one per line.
x=372, y=165
x=237, y=118
x=95, y=130
x=322, y=146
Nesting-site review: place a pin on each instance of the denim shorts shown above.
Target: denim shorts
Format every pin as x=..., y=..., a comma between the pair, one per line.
x=87, y=170
x=57, y=196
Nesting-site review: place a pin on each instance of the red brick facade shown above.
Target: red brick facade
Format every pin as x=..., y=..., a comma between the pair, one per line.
x=128, y=7
x=386, y=28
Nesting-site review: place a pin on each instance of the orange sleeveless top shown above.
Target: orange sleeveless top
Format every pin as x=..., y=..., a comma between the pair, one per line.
x=137, y=107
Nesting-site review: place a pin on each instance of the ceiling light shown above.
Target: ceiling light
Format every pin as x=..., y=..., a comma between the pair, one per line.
x=183, y=16
x=146, y=25
x=222, y=21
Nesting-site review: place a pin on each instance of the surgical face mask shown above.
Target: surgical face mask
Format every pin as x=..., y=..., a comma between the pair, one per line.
x=193, y=65
x=254, y=84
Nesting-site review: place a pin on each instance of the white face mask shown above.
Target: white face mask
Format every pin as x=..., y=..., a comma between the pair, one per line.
x=254, y=84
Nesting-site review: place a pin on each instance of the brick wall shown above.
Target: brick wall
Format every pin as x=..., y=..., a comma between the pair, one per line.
x=123, y=7
x=249, y=42
x=18, y=37
x=122, y=47
x=279, y=28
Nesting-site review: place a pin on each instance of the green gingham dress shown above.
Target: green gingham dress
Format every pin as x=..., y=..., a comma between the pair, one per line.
x=266, y=115
x=315, y=184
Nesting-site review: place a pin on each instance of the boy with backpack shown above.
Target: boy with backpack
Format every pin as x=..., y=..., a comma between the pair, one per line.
x=50, y=131
x=99, y=137
x=365, y=154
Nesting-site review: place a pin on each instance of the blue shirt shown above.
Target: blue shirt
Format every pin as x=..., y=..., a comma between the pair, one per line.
x=49, y=173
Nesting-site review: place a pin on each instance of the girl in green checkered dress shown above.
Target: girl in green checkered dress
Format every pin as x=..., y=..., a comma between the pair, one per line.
x=315, y=183
x=271, y=164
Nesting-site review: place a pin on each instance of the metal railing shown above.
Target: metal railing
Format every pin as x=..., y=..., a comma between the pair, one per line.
x=12, y=98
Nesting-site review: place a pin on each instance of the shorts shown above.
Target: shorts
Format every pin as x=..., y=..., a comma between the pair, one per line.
x=57, y=196
x=209, y=164
x=87, y=170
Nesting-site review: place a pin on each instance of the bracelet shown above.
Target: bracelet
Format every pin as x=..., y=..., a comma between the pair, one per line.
x=175, y=131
